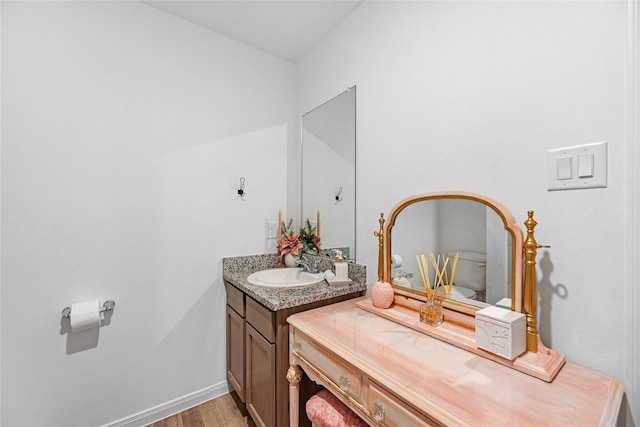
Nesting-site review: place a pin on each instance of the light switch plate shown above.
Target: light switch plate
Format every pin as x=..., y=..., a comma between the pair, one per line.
x=271, y=241
x=578, y=155
x=271, y=246
x=271, y=229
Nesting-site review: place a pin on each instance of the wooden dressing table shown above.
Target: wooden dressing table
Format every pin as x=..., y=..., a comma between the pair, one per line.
x=392, y=375
x=393, y=371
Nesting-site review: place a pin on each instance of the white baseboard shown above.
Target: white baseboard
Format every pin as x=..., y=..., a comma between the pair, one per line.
x=172, y=407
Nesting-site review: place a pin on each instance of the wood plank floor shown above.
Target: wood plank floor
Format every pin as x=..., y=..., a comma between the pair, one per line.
x=222, y=411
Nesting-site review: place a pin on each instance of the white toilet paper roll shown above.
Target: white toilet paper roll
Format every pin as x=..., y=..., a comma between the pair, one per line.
x=396, y=261
x=85, y=315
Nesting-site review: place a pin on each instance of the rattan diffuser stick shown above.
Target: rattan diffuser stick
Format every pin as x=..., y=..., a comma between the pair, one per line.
x=424, y=272
x=453, y=273
x=435, y=263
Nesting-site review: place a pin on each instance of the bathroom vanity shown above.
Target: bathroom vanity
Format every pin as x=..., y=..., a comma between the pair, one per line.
x=258, y=333
x=394, y=370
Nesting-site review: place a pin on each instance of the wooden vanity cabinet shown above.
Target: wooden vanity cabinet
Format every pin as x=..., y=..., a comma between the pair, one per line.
x=260, y=359
x=261, y=375
x=258, y=356
x=235, y=341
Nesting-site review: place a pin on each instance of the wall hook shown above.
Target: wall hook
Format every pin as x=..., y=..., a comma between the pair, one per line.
x=241, y=191
x=338, y=196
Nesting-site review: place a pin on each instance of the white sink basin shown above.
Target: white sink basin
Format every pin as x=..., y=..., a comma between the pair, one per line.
x=284, y=278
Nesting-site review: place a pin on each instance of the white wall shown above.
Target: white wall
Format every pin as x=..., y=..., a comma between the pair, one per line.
x=470, y=96
x=124, y=134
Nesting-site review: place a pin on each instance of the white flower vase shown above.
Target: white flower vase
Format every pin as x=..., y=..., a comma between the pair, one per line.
x=290, y=260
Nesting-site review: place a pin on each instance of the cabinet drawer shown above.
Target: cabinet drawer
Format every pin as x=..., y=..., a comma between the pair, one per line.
x=261, y=318
x=345, y=376
x=387, y=409
x=235, y=298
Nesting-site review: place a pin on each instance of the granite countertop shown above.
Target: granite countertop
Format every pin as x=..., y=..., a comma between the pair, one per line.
x=236, y=270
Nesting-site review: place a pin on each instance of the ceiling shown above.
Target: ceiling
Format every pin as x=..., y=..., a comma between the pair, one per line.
x=287, y=29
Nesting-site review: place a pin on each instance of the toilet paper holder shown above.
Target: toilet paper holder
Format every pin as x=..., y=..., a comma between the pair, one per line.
x=107, y=306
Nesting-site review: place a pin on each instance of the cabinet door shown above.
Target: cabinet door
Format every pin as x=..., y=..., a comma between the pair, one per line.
x=260, y=378
x=235, y=352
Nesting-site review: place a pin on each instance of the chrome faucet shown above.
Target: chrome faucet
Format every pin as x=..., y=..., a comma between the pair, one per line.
x=307, y=266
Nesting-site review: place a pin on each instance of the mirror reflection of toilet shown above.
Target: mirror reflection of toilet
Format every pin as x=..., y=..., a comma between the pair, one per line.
x=470, y=281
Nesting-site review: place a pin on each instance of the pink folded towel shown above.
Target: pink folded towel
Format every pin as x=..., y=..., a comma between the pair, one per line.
x=326, y=410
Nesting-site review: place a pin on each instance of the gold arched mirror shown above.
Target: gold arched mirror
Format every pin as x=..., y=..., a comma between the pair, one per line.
x=478, y=231
x=450, y=224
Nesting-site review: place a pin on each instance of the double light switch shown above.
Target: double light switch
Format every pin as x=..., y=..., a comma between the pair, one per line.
x=583, y=166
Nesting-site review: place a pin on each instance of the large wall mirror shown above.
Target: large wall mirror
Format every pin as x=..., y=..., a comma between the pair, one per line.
x=329, y=171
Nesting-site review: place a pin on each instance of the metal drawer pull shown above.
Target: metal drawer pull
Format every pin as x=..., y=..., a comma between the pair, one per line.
x=344, y=383
x=378, y=411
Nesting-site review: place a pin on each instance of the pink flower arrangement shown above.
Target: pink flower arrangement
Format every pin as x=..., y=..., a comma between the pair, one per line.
x=291, y=244
x=307, y=240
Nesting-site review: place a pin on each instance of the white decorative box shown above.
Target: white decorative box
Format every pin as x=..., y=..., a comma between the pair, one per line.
x=501, y=331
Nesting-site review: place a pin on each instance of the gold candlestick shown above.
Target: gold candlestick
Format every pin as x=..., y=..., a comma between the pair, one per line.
x=379, y=235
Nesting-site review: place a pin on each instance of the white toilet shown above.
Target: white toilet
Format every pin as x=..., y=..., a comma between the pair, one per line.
x=470, y=280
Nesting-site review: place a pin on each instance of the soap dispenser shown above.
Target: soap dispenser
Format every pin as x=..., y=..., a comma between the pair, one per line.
x=342, y=269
